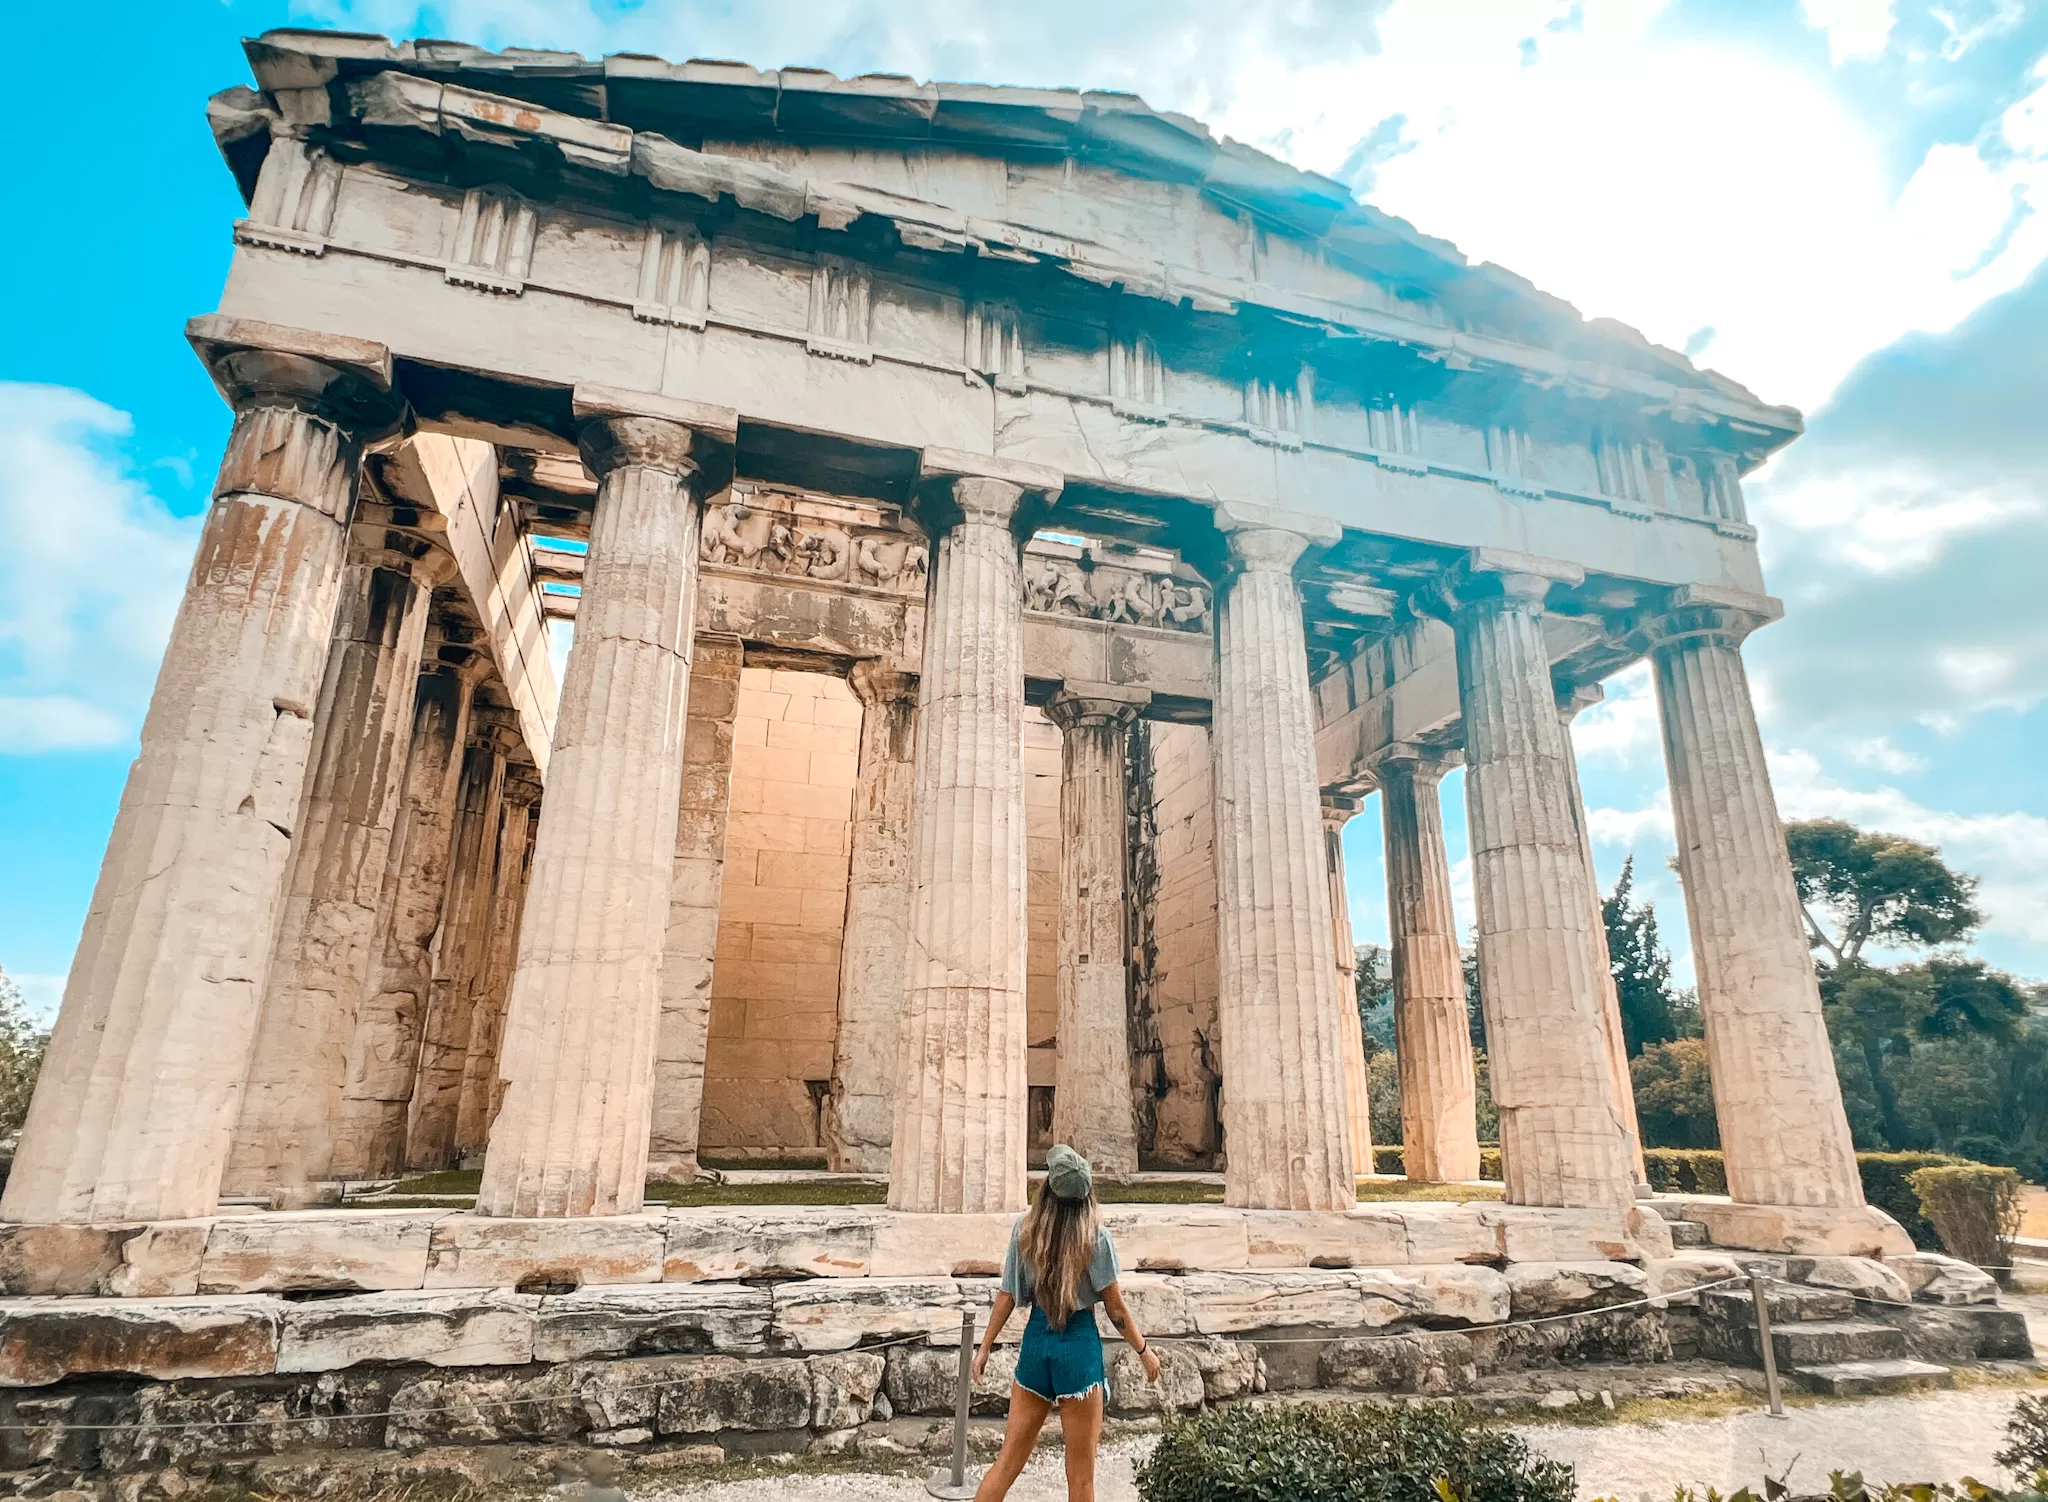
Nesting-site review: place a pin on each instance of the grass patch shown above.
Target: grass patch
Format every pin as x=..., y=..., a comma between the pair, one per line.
x=704, y=1194
x=766, y=1165
x=433, y=1191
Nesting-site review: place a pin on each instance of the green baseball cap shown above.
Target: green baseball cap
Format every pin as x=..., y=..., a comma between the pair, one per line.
x=1067, y=1174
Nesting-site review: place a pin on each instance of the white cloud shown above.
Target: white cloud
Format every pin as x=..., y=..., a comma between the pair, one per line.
x=90, y=577
x=1879, y=752
x=1855, y=28
x=1622, y=729
x=1888, y=518
x=2004, y=849
x=41, y=994
x=1627, y=828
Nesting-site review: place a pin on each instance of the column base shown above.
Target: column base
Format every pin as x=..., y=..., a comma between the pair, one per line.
x=1803, y=1230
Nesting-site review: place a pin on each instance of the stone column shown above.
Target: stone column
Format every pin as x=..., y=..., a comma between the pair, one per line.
x=1337, y=812
x=695, y=892
x=571, y=1135
x=330, y=932
x=1539, y=969
x=1783, y=1131
x=384, y=1054
x=960, y=1130
x=1570, y=700
x=462, y=948
x=1432, y=1027
x=142, y=1082
x=1091, y=1103
x=860, y=1118
x=1286, y=1135
x=476, y=1100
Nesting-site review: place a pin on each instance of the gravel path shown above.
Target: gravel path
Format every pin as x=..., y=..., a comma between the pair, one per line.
x=1937, y=1436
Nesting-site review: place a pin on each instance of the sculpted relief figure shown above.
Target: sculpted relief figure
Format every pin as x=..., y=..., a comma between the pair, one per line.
x=734, y=533
x=1056, y=587
x=1184, y=605
x=1053, y=585
x=891, y=562
x=823, y=552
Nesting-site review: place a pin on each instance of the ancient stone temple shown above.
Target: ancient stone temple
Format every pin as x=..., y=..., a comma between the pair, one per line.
x=1007, y=534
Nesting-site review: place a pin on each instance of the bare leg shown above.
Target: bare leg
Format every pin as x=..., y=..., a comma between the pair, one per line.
x=1081, y=1427
x=1027, y=1417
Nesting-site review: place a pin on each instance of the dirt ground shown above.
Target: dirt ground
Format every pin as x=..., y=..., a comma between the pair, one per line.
x=1936, y=1436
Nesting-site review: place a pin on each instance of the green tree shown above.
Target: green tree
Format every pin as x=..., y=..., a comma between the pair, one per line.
x=1877, y=888
x=1860, y=889
x=1653, y=1010
x=1373, y=982
x=1675, y=1094
x=21, y=1055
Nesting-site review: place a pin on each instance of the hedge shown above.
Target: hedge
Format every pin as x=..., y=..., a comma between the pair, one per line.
x=1350, y=1453
x=1974, y=1208
x=1388, y=1160
x=1700, y=1170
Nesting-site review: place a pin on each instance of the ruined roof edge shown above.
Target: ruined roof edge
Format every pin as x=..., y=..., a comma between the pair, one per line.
x=297, y=62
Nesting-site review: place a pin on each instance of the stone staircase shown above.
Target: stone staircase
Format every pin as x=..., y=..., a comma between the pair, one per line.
x=1820, y=1342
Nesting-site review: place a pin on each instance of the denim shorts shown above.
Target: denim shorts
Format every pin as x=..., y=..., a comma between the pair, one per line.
x=1054, y=1364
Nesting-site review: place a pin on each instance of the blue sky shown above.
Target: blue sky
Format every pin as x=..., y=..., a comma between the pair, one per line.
x=1838, y=202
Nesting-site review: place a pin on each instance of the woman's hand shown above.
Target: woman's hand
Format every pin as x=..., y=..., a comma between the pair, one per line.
x=980, y=1364
x=1151, y=1359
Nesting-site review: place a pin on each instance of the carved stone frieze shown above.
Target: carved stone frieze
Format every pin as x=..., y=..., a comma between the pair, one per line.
x=774, y=534
x=1111, y=592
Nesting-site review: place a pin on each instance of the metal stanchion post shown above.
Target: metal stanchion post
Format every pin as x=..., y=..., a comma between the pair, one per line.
x=1765, y=1344
x=952, y=1482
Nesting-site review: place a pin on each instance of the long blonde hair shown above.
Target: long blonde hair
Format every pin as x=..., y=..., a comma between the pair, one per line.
x=1056, y=1243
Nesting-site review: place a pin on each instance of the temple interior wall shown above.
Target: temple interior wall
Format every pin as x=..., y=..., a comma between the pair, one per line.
x=1174, y=1024
x=775, y=981
x=1042, y=917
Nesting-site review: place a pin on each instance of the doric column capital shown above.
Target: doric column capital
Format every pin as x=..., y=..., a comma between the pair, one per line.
x=956, y=487
x=1495, y=578
x=1700, y=611
x=876, y=680
x=1340, y=809
x=1425, y=765
x=1264, y=539
x=1573, y=697
x=346, y=382
x=640, y=430
x=1077, y=705
x=522, y=784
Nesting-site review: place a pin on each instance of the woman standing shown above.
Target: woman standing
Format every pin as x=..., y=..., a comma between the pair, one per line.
x=1062, y=1264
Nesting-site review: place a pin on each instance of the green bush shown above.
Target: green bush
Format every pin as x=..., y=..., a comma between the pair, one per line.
x=2027, y=1431
x=1362, y=1453
x=1387, y=1160
x=1490, y=1163
x=1849, y=1486
x=1886, y=1185
x=1686, y=1170
x=1975, y=1210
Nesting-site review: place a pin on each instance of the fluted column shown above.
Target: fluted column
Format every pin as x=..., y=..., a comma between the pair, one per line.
x=142, y=1082
x=1776, y=1099
x=1539, y=970
x=860, y=1118
x=1286, y=1135
x=960, y=1130
x=477, y=1094
x=696, y=889
x=1432, y=1027
x=329, y=934
x=384, y=1053
x=1337, y=812
x=1570, y=700
x=1091, y=1103
x=464, y=948
x=571, y=1134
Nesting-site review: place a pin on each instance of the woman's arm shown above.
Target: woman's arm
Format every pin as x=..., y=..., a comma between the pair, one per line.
x=998, y=1317
x=1120, y=1316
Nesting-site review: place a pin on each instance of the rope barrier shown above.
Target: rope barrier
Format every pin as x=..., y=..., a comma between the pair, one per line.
x=477, y=1404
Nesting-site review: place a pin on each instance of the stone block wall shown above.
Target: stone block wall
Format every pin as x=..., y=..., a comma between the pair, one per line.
x=775, y=981
x=1042, y=893
x=1174, y=1006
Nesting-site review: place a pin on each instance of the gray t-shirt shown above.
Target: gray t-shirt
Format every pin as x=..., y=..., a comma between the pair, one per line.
x=1102, y=1271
